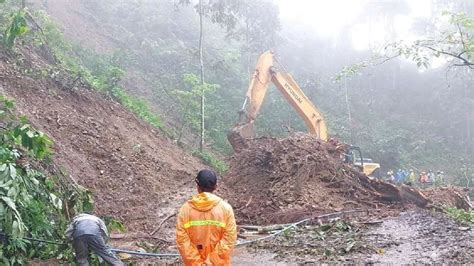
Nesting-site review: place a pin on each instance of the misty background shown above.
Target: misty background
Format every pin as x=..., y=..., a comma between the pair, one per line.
x=404, y=108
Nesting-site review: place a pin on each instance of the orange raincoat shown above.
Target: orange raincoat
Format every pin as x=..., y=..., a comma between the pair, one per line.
x=206, y=231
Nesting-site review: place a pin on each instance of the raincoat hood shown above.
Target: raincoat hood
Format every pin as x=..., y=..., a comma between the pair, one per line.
x=204, y=201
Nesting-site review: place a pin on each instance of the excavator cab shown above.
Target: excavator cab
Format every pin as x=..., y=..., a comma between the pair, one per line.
x=354, y=156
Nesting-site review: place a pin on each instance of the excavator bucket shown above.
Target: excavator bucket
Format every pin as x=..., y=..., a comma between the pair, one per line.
x=239, y=135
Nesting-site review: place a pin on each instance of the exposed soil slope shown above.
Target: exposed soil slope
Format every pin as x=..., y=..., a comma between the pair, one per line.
x=135, y=173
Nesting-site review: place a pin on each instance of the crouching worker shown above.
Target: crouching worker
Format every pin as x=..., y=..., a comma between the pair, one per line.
x=206, y=231
x=88, y=233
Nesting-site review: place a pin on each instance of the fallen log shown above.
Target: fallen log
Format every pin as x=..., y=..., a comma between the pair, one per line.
x=411, y=195
x=264, y=228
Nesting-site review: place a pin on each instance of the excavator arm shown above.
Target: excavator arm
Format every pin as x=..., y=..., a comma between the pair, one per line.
x=265, y=73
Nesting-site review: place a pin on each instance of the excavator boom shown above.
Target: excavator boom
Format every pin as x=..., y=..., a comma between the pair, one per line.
x=264, y=73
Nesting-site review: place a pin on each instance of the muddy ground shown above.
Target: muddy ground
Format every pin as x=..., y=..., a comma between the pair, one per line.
x=416, y=236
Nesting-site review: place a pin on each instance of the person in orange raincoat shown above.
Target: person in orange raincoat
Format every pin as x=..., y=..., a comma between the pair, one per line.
x=206, y=231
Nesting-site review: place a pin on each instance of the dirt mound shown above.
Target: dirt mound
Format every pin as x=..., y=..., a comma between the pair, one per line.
x=135, y=173
x=282, y=180
x=449, y=197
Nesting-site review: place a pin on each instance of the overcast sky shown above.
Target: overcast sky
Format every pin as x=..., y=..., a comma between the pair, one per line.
x=326, y=18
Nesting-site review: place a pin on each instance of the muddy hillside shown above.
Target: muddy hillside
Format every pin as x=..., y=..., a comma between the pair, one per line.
x=134, y=172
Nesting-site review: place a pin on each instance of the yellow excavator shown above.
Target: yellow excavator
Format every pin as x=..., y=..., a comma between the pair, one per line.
x=266, y=72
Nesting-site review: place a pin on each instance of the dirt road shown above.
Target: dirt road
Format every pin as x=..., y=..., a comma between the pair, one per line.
x=416, y=236
x=420, y=237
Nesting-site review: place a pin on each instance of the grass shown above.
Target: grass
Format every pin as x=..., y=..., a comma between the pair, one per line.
x=210, y=159
x=461, y=215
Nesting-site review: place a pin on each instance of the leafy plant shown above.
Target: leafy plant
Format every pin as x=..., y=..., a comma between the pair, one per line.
x=190, y=100
x=219, y=165
x=461, y=215
x=18, y=26
x=30, y=203
x=114, y=225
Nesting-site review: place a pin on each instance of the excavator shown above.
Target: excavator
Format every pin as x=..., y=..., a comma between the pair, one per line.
x=266, y=72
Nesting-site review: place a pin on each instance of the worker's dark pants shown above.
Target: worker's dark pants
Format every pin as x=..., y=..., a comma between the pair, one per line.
x=83, y=244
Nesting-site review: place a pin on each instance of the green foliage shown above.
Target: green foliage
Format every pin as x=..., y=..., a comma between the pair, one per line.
x=101, y=72
x=349, y=71
x=461, y=215
x=138, y=106
x=17, y=27
x=31, y=204
x=190, y=100
x=456, y=44
x=211, y=160
x=114, y=225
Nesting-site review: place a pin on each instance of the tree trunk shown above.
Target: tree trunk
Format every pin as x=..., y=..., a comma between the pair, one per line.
x=247, y=46
x=349, y=114
x=201, y=142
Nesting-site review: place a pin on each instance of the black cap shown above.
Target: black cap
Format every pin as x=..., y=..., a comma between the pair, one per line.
x=206, y=179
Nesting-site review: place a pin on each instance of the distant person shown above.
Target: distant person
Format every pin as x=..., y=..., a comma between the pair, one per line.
x=431, y=176
x=423, y=177
x=412, y=176
x=391, y=177
x=439, y=177
x=399, y=176
x=420, y=177
x=88, y=233
x=206, y=231
x=404, y=176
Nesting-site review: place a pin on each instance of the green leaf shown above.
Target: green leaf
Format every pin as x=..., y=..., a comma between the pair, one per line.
x=12, y=171
x=30, y=133
x=24, y=127
x=9, y=202
x=12, y=193
x=16, y=228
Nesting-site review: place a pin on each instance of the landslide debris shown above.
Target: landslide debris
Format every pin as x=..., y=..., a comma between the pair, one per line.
x=455, y=197
x=282, y=180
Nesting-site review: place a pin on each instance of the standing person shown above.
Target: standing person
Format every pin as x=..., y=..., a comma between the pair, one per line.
x=439, y=177
x=206, y=231
x=391, y=178
x=412, y=177
x=88, y=232
x=431, y=176
x=398, y=176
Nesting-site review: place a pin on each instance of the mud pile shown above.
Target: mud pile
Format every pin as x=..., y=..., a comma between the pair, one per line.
x=283, y=180
x=449, y=197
